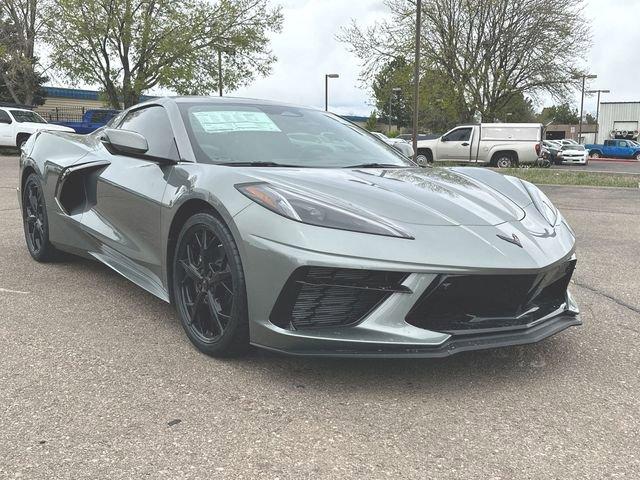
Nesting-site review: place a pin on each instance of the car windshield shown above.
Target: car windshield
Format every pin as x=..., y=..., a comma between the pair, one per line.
x=22, y=116
x=573, y=147
x=275, y=135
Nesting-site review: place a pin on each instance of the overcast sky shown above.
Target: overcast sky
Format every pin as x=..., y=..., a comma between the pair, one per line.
x=307, y=49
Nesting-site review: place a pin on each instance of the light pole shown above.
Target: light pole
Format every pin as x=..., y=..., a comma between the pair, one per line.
x=326, y=89
x=597, y=110
x=416, y=80
x=584, y=79
x=393, y=91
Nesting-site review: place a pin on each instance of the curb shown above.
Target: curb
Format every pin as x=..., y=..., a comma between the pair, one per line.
x=617, y=160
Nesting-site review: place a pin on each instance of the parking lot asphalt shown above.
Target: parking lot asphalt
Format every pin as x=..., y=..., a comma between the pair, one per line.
x=609, y=166
x=97, y=380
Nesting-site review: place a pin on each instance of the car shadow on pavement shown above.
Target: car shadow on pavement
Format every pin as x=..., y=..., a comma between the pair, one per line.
x=511, y=364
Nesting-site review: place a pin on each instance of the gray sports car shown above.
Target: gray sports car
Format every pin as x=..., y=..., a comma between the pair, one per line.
x=294, y=230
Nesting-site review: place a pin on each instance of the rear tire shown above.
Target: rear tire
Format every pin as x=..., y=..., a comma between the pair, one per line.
x=209, y=287
x=504, y=160
x=35, y=220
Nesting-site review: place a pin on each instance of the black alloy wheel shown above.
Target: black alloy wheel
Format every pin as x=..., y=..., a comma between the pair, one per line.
x=36, y=224
x=209, y=288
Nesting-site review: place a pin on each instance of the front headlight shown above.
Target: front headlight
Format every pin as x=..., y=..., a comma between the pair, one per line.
x=542, y=203
x=319, y=210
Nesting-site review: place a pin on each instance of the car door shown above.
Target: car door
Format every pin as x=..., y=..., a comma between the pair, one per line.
x=455, y=146
x=127, y=212
x=6, y=129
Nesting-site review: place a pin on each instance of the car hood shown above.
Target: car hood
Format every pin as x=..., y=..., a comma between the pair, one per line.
x=46, y=126
x=422, y=196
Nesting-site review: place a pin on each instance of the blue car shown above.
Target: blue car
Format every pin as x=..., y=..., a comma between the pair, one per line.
x=615, y=149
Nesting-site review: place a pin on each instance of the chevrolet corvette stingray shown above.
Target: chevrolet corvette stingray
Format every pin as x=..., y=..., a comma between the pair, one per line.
x=294, y=230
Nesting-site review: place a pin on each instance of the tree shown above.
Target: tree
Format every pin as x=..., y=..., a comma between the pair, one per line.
x=590, y=119
x=131, y=46
x=490, y=51
x=372, y=121
x=395, y=74
x=562, y=114
x=519, y=109
x=440, y=106
x=21, y=76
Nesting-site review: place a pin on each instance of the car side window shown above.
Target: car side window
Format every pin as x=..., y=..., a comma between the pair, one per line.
x=4, y=117
x=623, y=144
x=153, y=123
x=458, y=135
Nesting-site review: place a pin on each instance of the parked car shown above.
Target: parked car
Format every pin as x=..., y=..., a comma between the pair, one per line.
x=573, y=154
x=566, y=141
x=550, y=148
x=208, y=205
x=18, y=124
x=421, y=136
x=398, y=143
x=91, y=120
x=614, y=149
x=500, y=145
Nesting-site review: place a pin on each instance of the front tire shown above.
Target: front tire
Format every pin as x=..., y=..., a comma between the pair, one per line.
x=209, y=287
x=35, y=220
x=594, y=154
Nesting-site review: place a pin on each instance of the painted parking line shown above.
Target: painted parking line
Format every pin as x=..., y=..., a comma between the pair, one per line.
x=7, y=290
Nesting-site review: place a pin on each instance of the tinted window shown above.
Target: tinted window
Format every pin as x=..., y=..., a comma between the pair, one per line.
x=623, y=144
x=458, y=135
x=27, y=116
x=153, y=123
x=4, y=116
x=229, y=133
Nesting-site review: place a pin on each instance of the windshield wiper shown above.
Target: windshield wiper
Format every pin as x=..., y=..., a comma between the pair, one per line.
x=377, y=165
x=256, y=164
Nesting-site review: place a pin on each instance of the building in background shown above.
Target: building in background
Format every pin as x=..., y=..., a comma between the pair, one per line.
x=619, y=120
x=570, y=132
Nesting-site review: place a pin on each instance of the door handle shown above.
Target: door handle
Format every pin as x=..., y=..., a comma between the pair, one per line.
x=465, y=144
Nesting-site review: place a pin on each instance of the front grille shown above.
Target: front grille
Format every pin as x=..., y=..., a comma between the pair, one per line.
x=470, y=304
x=316, y=297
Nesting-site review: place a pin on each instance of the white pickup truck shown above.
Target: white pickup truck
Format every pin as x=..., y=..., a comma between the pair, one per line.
x=18, y=124
x=500, y=145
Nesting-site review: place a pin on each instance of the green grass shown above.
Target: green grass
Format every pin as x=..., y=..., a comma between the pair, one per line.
x=547, y=176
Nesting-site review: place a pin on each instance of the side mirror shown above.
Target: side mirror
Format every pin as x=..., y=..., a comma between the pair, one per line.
x=443, y=139
x=125, y=141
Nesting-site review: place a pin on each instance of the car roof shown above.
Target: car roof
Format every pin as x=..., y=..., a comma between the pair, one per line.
x=220, y=100
x=16, y=108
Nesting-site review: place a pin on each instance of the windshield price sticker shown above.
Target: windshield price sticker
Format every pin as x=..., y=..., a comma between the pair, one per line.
x=233, y=121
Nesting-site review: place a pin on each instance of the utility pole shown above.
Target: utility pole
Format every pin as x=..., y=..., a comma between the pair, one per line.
x=326, y=89
x=598, y=111
x=416, y=80
x=220, y=72
x=584, y=79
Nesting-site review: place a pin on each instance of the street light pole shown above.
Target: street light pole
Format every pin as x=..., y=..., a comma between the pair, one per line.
x=598, y=111
x=393, y=90
x=326, y=89
x=220, y=72
x=416, y=80
x=584, y=79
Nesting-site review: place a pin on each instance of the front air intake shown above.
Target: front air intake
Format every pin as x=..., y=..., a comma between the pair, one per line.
x=317, y=297
x=471, y=304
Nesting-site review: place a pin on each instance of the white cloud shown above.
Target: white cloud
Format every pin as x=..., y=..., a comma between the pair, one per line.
x=307, y=50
